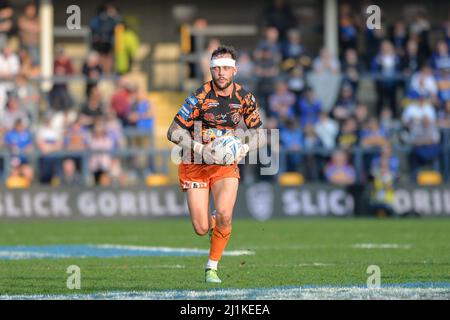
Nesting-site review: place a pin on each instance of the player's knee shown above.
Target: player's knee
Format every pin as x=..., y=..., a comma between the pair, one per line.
x=201, y=229
x=224, y=220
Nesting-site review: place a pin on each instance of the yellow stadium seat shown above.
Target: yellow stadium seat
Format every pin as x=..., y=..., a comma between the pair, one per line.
x=291, y=179
x=429, y=178
x=157, y=180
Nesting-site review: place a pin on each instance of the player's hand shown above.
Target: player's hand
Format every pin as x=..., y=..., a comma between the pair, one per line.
x=208, y=154
x=244, y=151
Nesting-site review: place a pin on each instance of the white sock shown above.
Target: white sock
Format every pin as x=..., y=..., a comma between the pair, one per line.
x=212, y=264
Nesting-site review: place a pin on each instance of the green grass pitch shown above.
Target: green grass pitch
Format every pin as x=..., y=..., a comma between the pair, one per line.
x=291, y=252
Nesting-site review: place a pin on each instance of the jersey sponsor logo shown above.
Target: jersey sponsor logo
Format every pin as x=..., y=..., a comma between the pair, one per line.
x=213, y=104
x=185, y=111
x=192, y=100
x=235, y=105
x=235, y=117
x=194, y=185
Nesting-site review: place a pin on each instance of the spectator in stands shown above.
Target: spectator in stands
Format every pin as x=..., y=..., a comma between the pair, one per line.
x=100, y=140
x=92, y=108
x=266, y=70
x=419, y=29
x=296, y=81
x=19, y=140
x=424, y=138
x=441, y=57
x=205, y=58
x=325, y=62
x=345, y=104
x=69, y=176
x=9, y=69
x=102, y=34
x=348, y=135
x=29, y=30
x=20, y=176
x=374, y=38
x=48, y=141
x=373, y=135
x=351, y=69
x=126, y=49
x=384, y=172
x=281, y=102
x=444, y=116
x=76, y=140
x=391, y=160
x=424, y=83
x=120, y=100
x=292, y=48
x=311, y=143
x=92, y=70
x=361, y=114
x=348, y=28
x=291, y=138
x=446, y=31
x=59, y=96
x=387, y=122
x=327, y=130
x=309, y=108
x=13, y=113
x=385, y=68
x=419, y=108
x=399, y=37
x=6, y=21
x=28, y=97
x=411, y=62
x=26, y=64
x=338, y=171
x=246, y=68
x=279, y=15
x=443, y=84
x=269, y=42
x=115, y=129
x=141, y=112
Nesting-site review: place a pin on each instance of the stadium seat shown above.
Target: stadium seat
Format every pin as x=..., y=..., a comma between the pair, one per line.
x=429, y=178
x=156, y=180
x=291, y=179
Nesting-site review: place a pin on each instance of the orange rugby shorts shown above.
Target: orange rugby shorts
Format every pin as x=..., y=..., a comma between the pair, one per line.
x=204, y=175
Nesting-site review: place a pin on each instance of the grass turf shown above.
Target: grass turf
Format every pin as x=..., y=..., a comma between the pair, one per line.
x=291, y=252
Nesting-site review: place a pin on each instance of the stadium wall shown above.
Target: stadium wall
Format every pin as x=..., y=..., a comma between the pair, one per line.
x=261, y=201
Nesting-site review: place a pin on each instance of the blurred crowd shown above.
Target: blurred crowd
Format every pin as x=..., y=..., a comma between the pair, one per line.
x=44, y=137
x=318, y=101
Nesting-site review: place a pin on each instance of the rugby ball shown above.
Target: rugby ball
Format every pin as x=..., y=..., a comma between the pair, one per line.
x=226, y=149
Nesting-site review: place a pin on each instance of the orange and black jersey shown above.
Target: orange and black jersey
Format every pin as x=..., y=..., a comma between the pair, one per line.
x=218, y=113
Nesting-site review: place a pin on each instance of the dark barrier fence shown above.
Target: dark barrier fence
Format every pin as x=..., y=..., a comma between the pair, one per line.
x=261, y=201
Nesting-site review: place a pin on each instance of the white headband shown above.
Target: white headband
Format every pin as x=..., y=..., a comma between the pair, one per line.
x=222, y=62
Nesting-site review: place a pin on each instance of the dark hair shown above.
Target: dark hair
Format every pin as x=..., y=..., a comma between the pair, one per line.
x=221, y=50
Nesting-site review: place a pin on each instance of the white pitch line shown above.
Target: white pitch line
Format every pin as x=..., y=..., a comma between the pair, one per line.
x=381, y=246
x=288, y=293
x=170, y=249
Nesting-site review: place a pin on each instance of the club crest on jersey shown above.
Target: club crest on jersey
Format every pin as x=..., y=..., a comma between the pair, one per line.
x=235, y=117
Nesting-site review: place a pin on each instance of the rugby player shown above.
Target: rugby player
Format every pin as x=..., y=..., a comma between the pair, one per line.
x=214, y=110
